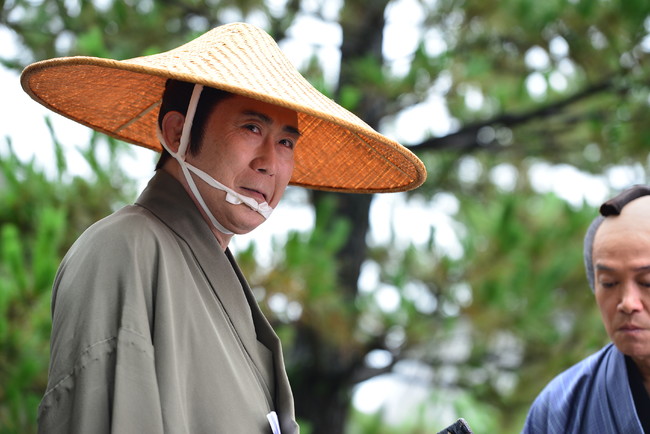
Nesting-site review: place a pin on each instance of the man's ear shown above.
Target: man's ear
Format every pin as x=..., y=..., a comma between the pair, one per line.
x=172, y=127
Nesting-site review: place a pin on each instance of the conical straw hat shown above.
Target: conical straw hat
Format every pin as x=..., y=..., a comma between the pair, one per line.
x=337, y=150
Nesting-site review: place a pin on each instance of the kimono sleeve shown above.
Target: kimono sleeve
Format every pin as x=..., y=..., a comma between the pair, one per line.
x=102, y=376
x=537, y=418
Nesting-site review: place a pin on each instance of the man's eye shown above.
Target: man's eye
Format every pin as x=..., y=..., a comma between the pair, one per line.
x=252, y=127
x=607, y=284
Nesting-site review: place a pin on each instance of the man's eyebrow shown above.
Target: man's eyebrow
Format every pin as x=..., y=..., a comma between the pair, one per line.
x=603, y=267
x=643, y=268
x=267, y=120
x=606, y=268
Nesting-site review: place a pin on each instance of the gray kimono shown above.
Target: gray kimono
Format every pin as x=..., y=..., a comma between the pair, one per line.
x=155, y=330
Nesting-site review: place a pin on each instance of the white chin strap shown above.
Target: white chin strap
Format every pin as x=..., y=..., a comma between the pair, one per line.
x=232, y=196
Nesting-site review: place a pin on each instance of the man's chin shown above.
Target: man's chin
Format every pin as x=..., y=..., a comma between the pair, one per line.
x=245, y=222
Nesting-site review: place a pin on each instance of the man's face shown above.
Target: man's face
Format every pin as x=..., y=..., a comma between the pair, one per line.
x=248, y=145
x=621, y=257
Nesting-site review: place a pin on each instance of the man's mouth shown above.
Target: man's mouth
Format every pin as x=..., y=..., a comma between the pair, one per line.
x=255, y=194
x=630, y=328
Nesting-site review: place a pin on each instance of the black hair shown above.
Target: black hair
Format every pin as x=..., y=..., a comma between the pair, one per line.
x=176, y=97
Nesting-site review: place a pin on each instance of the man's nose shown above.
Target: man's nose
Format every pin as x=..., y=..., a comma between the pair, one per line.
x=265, y=159
x=630, y=299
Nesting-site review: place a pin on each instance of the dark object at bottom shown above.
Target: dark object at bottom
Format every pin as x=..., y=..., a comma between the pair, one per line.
x=459, y=427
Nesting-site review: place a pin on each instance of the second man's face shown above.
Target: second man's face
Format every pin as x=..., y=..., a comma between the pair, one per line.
x=621, y=258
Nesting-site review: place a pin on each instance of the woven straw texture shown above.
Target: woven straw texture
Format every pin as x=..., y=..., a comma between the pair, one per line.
x=337, y=150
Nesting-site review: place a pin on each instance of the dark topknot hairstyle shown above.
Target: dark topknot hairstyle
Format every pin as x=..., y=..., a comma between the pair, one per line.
x=612, y=207
x=176, y=97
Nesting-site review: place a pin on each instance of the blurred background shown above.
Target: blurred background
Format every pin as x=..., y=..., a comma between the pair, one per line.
x=400, y=312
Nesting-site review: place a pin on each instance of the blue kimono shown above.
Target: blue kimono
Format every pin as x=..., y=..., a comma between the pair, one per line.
x=592, y=396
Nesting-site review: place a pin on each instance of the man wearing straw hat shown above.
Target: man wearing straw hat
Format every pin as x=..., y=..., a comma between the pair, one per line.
x=154, y=327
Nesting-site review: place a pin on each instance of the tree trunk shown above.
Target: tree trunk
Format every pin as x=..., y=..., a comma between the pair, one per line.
x=328, y=373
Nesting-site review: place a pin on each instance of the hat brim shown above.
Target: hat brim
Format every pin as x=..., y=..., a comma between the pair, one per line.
x=337, y=151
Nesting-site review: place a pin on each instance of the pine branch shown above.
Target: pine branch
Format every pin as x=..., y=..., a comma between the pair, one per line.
x=466, y=140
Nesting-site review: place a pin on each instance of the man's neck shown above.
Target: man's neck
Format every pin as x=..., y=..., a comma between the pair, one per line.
x=222, y=238
x=172, y=167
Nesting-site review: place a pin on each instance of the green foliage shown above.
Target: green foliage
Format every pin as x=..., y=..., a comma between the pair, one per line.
x=514, y=307
x=527, y=286
x=432, y=415
x=304, y=271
